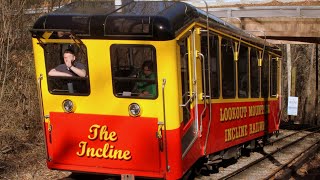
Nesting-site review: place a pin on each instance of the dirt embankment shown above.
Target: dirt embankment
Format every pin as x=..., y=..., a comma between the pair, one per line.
x=24, y=159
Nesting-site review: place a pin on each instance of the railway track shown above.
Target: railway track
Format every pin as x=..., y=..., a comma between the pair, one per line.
x=278, y=159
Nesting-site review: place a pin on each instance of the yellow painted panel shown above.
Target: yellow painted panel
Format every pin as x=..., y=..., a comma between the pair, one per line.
x=101, y=99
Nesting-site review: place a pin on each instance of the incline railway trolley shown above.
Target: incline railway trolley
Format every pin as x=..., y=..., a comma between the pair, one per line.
x=215, y=88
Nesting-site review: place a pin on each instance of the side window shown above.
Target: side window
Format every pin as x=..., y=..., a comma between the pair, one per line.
x=228, y=69
x=214, y=63
x=67, y=69
x=265, y=75
x=274, y=76
x=134, y=71
x=254, y=73
x=243, y=75
x=185, y=86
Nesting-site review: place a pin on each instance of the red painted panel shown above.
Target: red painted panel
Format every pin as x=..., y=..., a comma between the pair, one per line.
x=133, y=139
x=136, y=141
x=193, y=155
x=174, y=154
x=236, y=123
x=274, y=116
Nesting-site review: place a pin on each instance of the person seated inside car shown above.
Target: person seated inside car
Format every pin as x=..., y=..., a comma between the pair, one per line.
x=147, y=89
x=70, y=67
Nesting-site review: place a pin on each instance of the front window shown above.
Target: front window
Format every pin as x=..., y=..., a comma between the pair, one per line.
x=134, y=71
x=67, y=69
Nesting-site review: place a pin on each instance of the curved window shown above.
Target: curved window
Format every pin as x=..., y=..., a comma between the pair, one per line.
x=134, y=71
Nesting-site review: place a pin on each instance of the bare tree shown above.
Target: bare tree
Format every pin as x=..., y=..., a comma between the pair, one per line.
x=17, y=87
x=10, y=13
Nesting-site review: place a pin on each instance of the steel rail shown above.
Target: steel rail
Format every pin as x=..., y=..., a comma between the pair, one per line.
x=265, y=157
x=302, y=156
x=296, y=132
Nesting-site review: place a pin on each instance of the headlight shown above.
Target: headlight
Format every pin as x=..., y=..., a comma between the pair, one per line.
x=68, y=106
x=134, y=109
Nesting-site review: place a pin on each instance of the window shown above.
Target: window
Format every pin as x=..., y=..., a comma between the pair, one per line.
x=67, y=83
x=243, y=75
x=214, y=63
x=228, y=69
x=265, y=75
x=254, y=73
x=134, y=71
x=274, y=76
x=185, y=86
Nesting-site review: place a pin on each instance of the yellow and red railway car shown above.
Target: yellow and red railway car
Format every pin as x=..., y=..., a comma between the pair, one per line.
x=216, y=88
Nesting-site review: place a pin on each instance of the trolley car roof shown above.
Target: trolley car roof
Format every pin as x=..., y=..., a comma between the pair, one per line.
x=153, y=20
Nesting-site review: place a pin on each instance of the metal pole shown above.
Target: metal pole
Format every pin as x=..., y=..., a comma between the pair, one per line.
x=289, y=73
x=165, y=125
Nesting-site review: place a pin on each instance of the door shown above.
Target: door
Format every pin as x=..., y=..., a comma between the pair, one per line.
x=188, y=87
x=210, y=69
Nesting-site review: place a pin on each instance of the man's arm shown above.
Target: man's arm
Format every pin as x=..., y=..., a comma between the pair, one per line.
x=54, y=72
x=78, y=71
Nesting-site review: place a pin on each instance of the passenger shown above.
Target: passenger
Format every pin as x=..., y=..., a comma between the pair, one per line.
x=147, y=88
x=70, y=66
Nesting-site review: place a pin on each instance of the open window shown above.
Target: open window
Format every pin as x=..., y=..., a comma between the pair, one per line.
x=134, y=71
x=65, y=85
